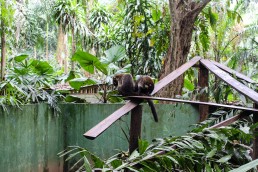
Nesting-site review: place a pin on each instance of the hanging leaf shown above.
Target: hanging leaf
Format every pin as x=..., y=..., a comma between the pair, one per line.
x=20, y=58
x=213, y=17
x=70, y=76
x=74, y=99
x=224, y=159
x=211, y=153
x=246, y=167
x=77, y=83
x=188, y=85
x=88, y=62
x=87, y=164
x=143, y=145
x=41, y=67
x=114, y=54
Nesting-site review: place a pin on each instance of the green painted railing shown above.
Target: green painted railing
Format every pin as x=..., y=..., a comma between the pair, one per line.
x=32, y=136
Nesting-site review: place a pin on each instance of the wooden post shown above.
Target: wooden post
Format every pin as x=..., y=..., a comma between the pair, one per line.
x=135, y=128
x=255, y=141
x=203, y=81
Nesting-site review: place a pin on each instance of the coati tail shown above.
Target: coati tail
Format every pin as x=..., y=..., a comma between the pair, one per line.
x=153, y=110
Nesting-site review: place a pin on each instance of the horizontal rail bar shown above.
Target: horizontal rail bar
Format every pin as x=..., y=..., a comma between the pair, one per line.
x=195, y=102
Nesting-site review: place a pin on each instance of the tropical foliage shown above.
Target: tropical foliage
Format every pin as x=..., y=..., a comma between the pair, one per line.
x=203, y=149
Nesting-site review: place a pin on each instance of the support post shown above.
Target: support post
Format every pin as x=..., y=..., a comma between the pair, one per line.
x=255, y=141
x=203, y=82
x=135, y=128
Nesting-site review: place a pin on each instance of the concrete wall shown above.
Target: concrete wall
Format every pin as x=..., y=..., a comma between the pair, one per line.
x=31, y=137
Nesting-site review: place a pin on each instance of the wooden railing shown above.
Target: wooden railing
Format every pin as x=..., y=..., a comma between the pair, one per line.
x=221, y=71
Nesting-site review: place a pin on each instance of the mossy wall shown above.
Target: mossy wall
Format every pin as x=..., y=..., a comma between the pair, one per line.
x=31, y=137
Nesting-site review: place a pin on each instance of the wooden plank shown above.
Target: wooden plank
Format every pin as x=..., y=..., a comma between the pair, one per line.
x=227, y=121
x=255, y=135
x=195, y=102
x=176, y=73
x=251, y=94
x=203, y=82
x=233, y=72
x=135, y=128
x=107, y=122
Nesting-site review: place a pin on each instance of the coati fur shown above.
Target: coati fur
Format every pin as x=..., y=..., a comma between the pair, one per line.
x=143, y=87
x=125, y=84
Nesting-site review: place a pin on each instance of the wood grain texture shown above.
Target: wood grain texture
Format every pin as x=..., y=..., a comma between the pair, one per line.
x=251, y=94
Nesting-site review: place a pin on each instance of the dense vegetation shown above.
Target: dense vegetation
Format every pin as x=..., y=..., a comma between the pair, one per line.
x=203, y=149
x=45, y=43
x=86, y=42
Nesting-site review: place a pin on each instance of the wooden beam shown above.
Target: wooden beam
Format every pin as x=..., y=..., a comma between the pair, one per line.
x=195, y=102
x=176, y=73
x=251, y=94
x=233, y=72
x=203, y=83
x=227, y=121
x=135, y=128
x=255, y=134
x=107, y=122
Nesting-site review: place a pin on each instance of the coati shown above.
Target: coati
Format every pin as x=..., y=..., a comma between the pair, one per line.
x=143, y=86
x=125, y=84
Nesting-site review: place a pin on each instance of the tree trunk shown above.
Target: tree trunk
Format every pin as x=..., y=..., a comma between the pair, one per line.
x=3, y=52
x=183, y=15
x=60, y=45
x=65, y=54
x=47, y=28
x=73, y=48
x=3, y=46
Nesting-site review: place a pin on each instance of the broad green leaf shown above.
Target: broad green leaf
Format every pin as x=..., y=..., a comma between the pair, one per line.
x=42, y=67
x=224, y=159
x=87, y=164
x=172, y=159
x=208, y=167
x=89, y=61
x=246, y=167
x=156, y=14
x=101, y=67
x=211, y=153
x=70, y=76
x=116, y=163
x=115, y=54
x=20, y=57
x=213, y=18
x=143, y=145
x=197, y=144
x=74, y=99
x=98, y=163
x=188, y=85
x=77, y=83
x=134, y=155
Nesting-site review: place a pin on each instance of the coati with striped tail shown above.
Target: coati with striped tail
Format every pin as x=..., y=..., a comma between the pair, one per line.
x=142, y=87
